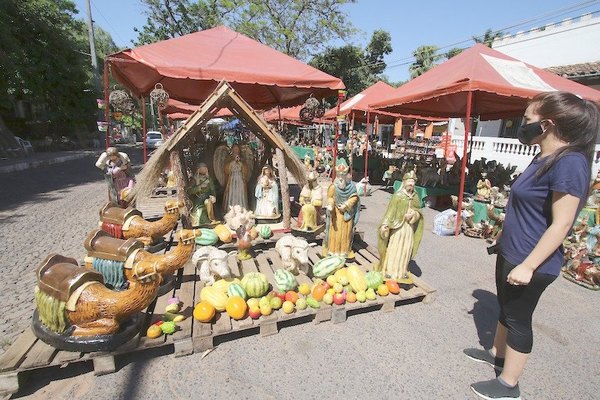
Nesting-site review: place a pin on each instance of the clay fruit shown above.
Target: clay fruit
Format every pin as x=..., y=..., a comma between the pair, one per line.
x=328, y=298
x=253, y=303
x=254, y=312
x=304, y=289
x=276, y=303
x=318, y=292
x=301, y=304
x=339, y=299
x=392, y=286
x=153, y=331
x=236, y=307
x=383, y=290
x=361, y=296
x=288, y=307
x=291, y=296
x=370, y=294
x=266, y=309
x=204, y=311
x=351, y=297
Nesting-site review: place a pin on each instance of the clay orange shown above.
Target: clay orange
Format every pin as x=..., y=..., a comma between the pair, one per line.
x=236, y=307
x=392, y=286
x=204, y=311
x=318, y=292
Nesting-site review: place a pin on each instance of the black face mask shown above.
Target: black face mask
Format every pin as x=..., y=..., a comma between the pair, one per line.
x=528, y=132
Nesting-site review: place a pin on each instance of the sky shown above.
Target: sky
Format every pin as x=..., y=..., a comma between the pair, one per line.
x=410, y=23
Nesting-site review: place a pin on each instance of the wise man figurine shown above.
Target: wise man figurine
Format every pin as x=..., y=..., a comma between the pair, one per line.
x=342, y=211
x=400, y=232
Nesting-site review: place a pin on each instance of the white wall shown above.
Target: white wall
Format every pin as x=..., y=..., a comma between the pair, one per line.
x=572, y=41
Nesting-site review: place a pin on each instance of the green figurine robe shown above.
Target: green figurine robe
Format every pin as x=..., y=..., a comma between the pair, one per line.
x=400, y=244
x=202, y=194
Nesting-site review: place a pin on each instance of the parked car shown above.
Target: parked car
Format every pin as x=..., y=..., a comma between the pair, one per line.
x=25, y=145
x=154, y=139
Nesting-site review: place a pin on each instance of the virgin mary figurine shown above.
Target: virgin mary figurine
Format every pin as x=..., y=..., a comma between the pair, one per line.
x=267, y=194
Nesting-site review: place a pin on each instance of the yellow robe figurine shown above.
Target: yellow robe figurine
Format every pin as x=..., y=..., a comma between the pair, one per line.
x=342, y=212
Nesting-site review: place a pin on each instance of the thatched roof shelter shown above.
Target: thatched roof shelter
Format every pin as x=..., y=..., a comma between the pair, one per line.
x=194, y=134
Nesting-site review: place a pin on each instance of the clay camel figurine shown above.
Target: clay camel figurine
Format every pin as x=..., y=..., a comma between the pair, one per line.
x=127, y=252
x=128, y=223
x=71, y=296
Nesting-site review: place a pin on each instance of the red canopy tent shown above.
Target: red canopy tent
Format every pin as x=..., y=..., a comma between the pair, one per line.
x=358, y=108
x=191, y=66
x=179, y=110
x=479, y=81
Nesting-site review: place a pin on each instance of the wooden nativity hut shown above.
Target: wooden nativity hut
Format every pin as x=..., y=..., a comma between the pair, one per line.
x=194, y=143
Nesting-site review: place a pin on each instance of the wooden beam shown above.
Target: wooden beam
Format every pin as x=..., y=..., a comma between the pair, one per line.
x=285, y=189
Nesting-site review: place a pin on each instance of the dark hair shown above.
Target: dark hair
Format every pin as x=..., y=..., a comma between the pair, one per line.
x=577, y=122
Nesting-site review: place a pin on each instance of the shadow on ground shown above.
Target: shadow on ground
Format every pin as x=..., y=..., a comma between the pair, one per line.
x=485, y=316
x=46, y=183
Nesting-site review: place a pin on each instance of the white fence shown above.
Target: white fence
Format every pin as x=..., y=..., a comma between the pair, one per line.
x=507, y=151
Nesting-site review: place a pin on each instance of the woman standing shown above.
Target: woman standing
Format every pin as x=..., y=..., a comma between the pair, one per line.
x=543, y=204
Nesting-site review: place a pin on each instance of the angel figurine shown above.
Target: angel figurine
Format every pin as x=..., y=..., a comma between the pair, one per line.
x=267, y=194
x=233, y=172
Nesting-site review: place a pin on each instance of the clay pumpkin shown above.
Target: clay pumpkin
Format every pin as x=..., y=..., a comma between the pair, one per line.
x=204, y=311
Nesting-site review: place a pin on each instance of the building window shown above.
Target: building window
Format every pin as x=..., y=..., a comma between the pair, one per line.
x=510, y=127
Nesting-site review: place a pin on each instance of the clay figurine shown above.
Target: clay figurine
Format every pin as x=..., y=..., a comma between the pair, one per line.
x=76, y=312
x=267, y=195
x=484, y=188
x=211, y=264
x=294, y=253
x=311, y=200
x=117, y=173
x=128, y=223
x=243, y=223
x=342, y=211
x=400, y=231
x=202, y=194
x=233, y=172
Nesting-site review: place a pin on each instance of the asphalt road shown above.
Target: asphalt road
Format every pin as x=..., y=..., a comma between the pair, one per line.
x=414, y=352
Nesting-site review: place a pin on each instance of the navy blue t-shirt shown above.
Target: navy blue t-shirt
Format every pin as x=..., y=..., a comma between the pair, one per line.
x=529, y=209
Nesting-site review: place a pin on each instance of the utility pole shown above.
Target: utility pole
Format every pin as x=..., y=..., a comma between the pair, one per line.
x=92, y=38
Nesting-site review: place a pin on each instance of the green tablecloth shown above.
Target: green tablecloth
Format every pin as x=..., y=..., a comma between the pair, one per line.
x=424, y=191
x=302, y=151
x=591, y=214
x=480, y=211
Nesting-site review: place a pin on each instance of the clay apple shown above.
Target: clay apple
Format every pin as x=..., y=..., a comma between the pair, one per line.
x=254, y=313
x=339, y=299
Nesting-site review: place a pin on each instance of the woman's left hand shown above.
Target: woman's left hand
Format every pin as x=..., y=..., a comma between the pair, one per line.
x=520, y=275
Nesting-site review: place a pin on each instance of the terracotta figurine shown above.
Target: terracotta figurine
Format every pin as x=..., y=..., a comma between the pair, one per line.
x=342, y=210
x=484, y=188
x=311, y=199
x=401, y=230
x=118, y=175
x=202, y=194
x=267, y=194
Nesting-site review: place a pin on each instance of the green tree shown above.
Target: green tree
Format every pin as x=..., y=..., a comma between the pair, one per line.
x=44, y=64
x=425, y=59
x=453, y=52
x=359, y=68
x=488, y=37
x=299, y=28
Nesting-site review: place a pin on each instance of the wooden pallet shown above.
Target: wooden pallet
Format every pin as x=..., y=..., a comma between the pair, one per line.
x=29, y=353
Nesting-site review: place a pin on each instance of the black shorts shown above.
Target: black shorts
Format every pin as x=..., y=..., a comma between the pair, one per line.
x=517, y=304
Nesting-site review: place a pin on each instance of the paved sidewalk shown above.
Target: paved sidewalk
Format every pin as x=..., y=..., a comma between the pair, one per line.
x=42, y=159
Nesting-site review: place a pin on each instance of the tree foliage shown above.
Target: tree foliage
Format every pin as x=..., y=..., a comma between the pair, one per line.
x=43, y=62
x=488, y=37
x=426, y=57
x=299, y=28
x=359, y=68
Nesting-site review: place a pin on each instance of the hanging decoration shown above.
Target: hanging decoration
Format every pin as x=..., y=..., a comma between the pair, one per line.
x=117, y=115
x=312, y=109
x=159, y=96
x=119, y=99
